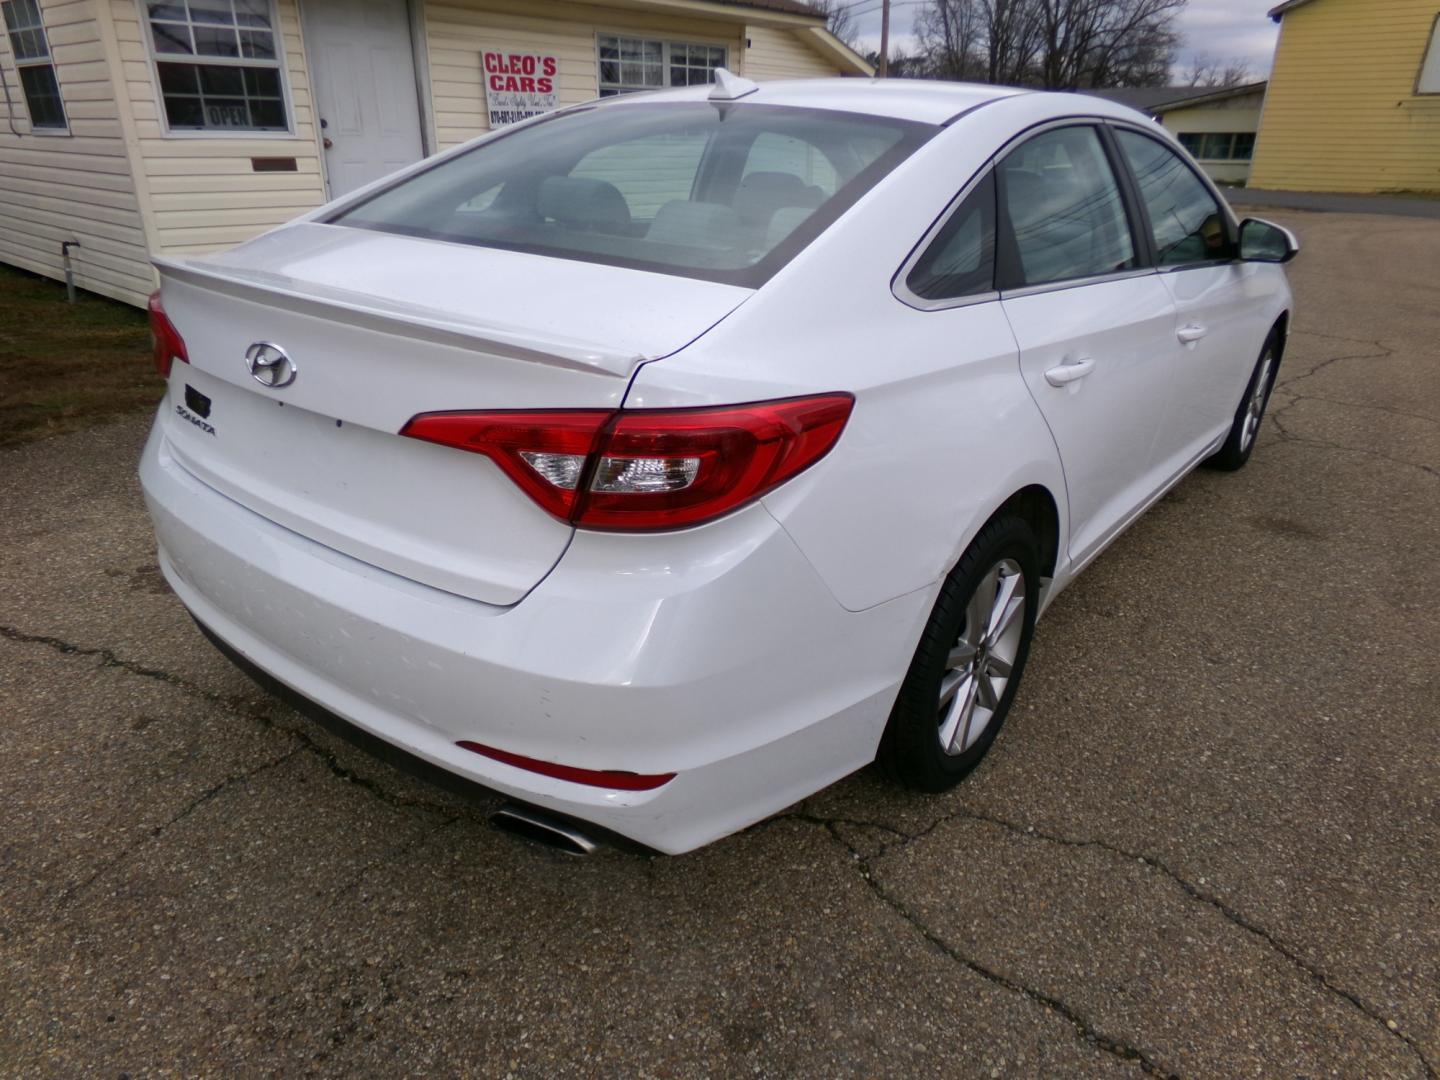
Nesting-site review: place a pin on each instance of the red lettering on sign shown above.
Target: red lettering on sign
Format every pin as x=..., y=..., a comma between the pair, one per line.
x=548, y=64
x=545, y=86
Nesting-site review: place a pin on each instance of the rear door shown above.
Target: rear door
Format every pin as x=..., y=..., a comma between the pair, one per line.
x=1095, y=325
x=1219, y=304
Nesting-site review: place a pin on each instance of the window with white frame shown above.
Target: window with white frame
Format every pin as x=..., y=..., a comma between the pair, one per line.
x=628, y=65
x=34, y=64
x=218, y=64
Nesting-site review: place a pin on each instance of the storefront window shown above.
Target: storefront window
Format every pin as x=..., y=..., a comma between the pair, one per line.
x=218, y=63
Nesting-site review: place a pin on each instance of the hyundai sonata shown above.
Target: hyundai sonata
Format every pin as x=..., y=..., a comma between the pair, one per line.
x=657, y=462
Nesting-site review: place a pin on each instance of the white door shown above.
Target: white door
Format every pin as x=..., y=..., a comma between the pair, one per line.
x=363, y=71
x=1096, y=332
x=1219, y=318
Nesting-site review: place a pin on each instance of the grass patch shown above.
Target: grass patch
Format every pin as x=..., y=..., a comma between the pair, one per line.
x=64, y=367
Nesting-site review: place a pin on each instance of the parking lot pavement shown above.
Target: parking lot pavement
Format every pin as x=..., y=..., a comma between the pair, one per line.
x=1207, y=843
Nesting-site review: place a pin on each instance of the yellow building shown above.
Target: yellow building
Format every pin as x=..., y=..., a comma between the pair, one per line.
x=140, y=127
x=1354, y=98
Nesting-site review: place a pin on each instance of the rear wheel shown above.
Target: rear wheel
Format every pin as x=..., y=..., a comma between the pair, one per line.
x=968, y=665
x=1240, y=443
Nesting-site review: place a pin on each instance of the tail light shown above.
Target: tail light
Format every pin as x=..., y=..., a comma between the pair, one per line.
x=647, y=469
x=168, y=344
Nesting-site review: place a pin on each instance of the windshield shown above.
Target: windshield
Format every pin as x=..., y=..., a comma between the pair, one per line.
x=723, y=191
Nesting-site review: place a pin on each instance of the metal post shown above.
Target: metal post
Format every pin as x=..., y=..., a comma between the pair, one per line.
x=69, y=270
x=884, y=38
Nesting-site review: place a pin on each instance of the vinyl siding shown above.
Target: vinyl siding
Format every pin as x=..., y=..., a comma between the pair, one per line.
x=783, y=54
x=203, y=191
x=456, y=35
x=78, y=186
x=1342, y=113
x=1241, y=114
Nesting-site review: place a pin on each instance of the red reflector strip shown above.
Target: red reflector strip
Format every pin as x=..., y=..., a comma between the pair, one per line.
x=606, y=778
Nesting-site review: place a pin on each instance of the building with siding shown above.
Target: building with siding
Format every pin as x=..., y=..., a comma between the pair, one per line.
x=1218, y=128
x=1217, y=125
x=183, y=126
x=1354, y=98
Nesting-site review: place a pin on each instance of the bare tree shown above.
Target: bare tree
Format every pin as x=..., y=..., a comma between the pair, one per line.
x=951, y=39
x=839, y=18
x=1207, y=71
x=1058, y=44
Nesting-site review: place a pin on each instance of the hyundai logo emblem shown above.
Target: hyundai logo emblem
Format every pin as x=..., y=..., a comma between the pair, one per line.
x=270, y=365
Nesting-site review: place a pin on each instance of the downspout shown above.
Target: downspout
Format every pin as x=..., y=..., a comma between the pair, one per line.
x=9, y=105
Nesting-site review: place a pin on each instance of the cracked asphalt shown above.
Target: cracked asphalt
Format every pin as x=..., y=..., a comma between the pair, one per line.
x=1206, y=845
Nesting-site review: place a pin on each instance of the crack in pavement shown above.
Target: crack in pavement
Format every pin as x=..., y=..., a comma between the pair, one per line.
x=73, y=891
x=232, y=705
x=1283, y=386
x=1030, y=832
x=1084, y=1029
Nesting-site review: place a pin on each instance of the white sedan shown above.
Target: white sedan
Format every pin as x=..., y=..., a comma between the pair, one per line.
x=662, y=460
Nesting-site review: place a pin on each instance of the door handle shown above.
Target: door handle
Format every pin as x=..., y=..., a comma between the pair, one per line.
x=1070, y=371
x=1191, y=333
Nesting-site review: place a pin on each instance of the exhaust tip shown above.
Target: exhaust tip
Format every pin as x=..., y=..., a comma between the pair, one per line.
x=540, y=829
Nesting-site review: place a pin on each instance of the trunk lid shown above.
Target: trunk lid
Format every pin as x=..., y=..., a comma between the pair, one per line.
x=379, y=328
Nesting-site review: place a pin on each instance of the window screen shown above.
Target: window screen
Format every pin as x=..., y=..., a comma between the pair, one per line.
x=629, y=65
x=34, y=64
x=218, y=64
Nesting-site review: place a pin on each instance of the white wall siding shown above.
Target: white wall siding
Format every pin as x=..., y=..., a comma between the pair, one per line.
x=457, y=34
x=78, y=186
x=782, y=54
x=203, y=192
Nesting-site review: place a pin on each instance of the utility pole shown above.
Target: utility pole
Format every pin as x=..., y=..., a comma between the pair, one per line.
x=884, y=38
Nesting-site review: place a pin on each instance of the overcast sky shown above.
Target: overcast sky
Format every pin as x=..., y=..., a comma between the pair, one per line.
x=1225, y=29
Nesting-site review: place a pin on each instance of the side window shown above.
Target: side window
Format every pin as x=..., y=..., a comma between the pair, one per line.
x=960, y=261
x=1188, y=224
x=1063, y=208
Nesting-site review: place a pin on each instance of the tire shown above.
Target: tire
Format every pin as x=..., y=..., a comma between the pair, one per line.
x=1245, y=430
x=931, y=742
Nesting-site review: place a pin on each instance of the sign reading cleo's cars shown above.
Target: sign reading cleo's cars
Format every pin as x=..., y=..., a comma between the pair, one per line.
x=519, y=85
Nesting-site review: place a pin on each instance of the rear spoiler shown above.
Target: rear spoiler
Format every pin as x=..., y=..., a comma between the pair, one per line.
x=382, y=316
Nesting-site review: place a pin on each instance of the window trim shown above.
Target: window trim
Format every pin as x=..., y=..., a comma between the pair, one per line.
x=1144, y=256
x=48, y=60
x=280, y=63
x=900, y=283
x=665, y=45
x=1430, y=57
x=1232, y=226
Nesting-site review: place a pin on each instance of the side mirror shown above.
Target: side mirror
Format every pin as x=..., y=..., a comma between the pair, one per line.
x=1266, y=242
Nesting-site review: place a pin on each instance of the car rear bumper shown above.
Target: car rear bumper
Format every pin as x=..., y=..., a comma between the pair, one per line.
x=716, y=654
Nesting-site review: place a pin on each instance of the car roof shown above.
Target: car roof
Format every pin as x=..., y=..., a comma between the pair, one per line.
x=927, y=101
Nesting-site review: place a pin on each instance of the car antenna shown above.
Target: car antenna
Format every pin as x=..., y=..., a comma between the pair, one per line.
x=729, y=86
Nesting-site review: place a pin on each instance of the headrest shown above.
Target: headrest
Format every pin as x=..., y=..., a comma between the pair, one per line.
x=762, y=193
x=695, y=224
x=580, y=203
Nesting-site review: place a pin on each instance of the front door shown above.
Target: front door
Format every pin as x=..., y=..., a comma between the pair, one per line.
x=363, y=71
x=1217, y=301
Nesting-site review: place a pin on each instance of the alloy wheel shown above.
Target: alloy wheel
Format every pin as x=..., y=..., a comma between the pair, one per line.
x=980, y=664
x=1255, y=409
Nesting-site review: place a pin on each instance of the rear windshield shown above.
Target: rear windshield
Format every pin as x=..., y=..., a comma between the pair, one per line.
x=723, y=191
